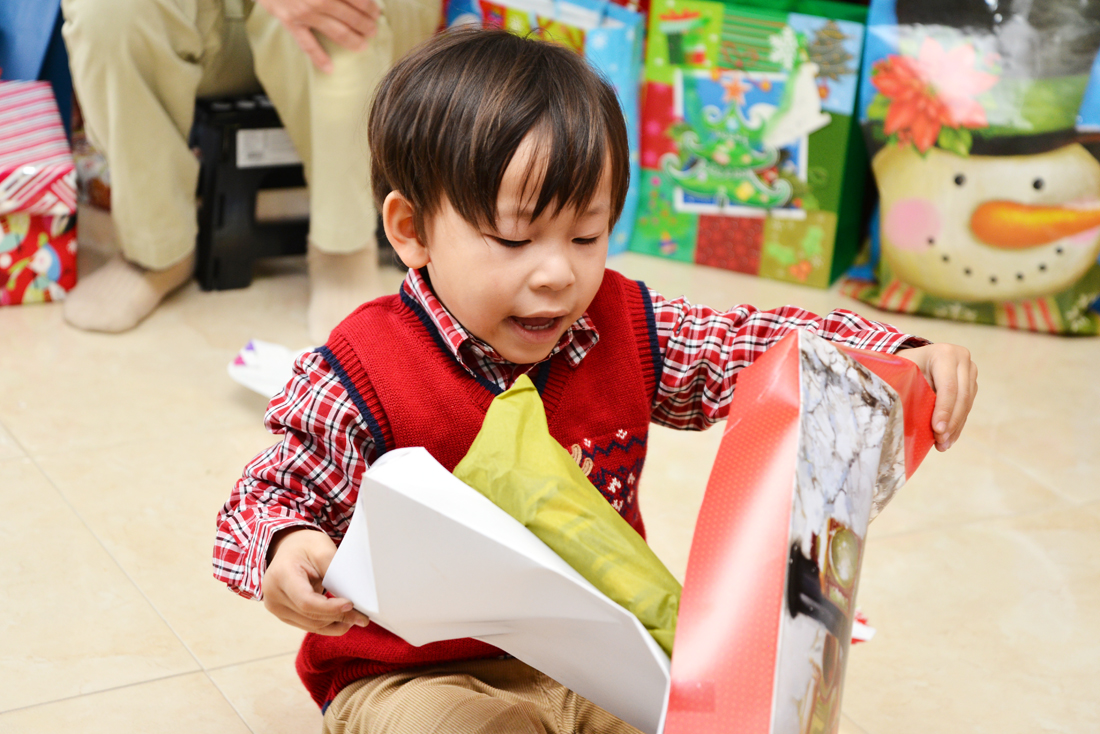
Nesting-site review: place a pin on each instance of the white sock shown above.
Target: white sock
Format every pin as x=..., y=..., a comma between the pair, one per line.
x=117, y=296
x=338, y=284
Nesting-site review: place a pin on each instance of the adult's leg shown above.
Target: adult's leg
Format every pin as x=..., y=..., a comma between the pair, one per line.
x=325, y=116
x=137, y=66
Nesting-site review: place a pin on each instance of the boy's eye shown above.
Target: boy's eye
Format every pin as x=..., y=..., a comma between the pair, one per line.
x=509, y=243
x=585, y=240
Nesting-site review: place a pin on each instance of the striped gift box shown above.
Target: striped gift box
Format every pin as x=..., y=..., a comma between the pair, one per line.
x=37, y=175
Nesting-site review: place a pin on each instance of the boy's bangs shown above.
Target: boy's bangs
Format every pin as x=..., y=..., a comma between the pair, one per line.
x=448, y=119
x=571, y=115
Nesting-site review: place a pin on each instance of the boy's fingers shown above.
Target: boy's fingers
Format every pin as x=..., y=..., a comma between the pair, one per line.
x=334, y=623
x=968, y=388
x=947, y=390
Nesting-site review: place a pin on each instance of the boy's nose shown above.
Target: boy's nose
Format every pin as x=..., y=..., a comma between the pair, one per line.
x=554, y=271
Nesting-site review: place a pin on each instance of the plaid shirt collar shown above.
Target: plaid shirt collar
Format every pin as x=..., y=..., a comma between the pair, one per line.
x=476, y=355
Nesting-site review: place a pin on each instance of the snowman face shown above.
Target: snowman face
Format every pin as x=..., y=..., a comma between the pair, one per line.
x=989, y=228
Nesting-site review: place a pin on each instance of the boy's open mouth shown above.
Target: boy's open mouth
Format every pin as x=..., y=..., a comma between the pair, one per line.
x=536, y=324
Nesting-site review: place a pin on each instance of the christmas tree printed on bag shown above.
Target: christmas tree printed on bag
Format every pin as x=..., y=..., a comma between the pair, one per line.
x=743, y=131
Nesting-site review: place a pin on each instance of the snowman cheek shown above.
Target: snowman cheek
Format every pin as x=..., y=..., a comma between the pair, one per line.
x=912, y=224
x=1085, y=239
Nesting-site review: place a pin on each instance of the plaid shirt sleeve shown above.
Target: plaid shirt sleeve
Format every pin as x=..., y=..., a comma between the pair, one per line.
x=308, y=479
x=705, y=349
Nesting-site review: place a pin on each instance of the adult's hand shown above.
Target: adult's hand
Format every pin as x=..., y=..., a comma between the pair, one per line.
x=349, y=23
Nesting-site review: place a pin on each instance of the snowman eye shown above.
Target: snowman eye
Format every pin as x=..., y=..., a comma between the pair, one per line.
x=1037, y=184
x=960, y=180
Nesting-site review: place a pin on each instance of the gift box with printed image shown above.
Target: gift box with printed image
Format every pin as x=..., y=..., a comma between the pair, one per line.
x=37, y=197
x=750, y=157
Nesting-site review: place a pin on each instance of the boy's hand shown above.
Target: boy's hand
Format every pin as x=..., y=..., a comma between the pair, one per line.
x=954, y=377
x=292, y=584
x=349, y=23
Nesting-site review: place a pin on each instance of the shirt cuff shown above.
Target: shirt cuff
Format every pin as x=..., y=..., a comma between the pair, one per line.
x=255, y=565
x=908, y=341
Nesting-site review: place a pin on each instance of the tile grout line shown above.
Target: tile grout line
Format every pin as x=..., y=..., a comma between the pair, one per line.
x=207, y=673
x=95, y=693
x=854, y=723
x=118, y=565
x=202, y=668
x=232, y=705
x=250, y=661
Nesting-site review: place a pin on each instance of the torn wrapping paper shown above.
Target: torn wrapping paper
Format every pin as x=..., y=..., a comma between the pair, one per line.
x=429, y=558
x=516, y=463
x=818, y=441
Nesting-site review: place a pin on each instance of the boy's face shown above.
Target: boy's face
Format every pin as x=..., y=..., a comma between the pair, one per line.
x=520, y=284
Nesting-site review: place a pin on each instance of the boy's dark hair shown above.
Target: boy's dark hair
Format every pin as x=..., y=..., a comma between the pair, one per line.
x=448, y=118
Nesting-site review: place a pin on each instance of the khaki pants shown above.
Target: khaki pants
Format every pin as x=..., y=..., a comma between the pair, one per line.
x=139, y=65
x=474, y=697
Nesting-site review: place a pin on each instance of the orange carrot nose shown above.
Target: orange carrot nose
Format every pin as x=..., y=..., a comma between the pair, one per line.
x=1012, y=226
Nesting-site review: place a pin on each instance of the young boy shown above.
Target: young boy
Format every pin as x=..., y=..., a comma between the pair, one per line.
x=500, y=165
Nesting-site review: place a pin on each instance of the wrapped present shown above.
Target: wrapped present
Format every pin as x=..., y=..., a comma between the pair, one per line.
x=37, y=197
x=750, y=157
x=985, y=151
x=609, y=35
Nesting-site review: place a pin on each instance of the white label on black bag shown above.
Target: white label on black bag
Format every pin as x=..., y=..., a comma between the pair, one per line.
x=265, y=147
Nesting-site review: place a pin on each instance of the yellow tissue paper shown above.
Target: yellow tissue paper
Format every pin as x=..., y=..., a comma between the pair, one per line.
x=516, y=463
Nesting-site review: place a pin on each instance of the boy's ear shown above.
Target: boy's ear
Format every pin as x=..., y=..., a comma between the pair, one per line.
x=397, y=220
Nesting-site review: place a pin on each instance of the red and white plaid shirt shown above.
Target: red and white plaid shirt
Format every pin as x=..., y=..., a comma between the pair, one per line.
x=310, y=478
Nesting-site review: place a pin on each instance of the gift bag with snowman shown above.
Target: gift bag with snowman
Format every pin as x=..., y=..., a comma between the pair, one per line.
x=751, y=158
x=610, y=35
x=982, y=121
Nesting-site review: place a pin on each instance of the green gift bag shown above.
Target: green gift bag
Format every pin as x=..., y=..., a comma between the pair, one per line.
x=751, y=160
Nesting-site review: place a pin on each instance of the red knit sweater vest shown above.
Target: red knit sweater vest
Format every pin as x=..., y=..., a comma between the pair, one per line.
x=412, y=391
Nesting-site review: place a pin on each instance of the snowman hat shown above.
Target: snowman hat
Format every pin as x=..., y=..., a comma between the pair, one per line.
x=1007, y=78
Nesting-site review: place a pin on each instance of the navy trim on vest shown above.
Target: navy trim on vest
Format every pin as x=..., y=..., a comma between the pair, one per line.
x=542, y=376
x=654, y=345
x=425, y=319
x=372, y=424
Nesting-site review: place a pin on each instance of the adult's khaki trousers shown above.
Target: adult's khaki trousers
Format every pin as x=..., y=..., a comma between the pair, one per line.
x=474, y=697
x=139, y=65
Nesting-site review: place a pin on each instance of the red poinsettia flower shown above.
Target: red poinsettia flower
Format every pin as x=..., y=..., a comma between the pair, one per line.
x=934, y=90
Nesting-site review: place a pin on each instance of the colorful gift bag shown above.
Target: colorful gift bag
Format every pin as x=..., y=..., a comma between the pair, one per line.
x=610, y=36
x=750, y=158
x=818, y=440
x=985, y=152
x=37, y=197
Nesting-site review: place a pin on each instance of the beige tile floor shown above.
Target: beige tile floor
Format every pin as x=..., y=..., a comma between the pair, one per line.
x=983, y=578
